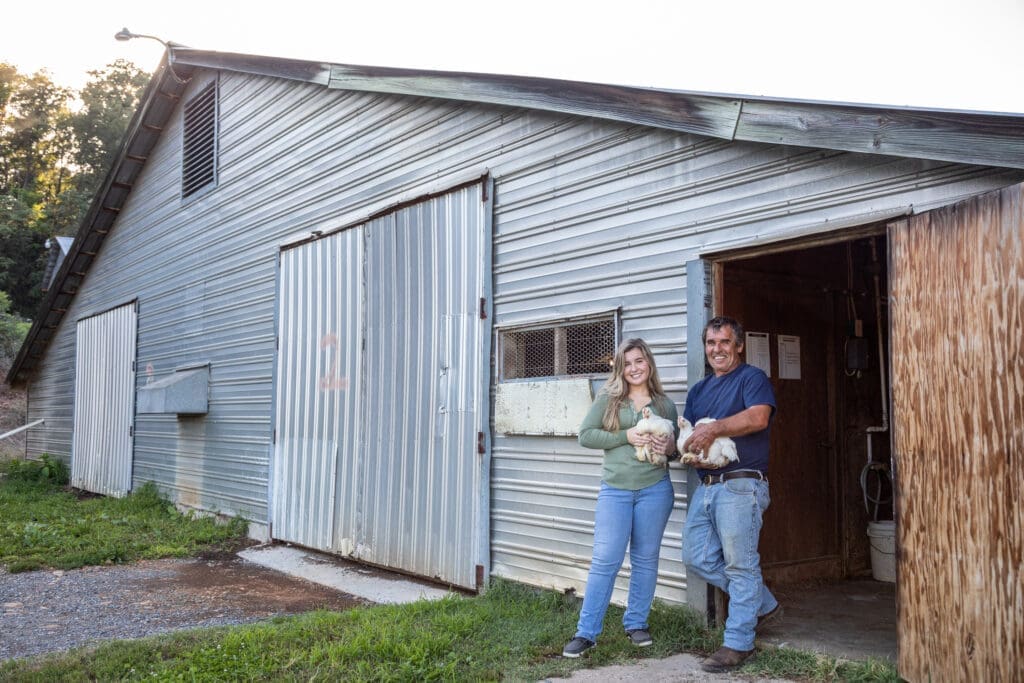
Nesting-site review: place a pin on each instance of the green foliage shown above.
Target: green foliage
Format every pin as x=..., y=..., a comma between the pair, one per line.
x=44, y=525
x=46, y=470
x=12, y=332
x=109, y=100
x=52, y=160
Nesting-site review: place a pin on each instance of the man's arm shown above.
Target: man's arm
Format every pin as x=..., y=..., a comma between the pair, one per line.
x=748, y=421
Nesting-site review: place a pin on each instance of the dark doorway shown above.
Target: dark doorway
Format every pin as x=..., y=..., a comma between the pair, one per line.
x=817, y=317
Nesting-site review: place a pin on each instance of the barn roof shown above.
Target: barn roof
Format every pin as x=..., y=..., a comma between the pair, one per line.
x=988, y=139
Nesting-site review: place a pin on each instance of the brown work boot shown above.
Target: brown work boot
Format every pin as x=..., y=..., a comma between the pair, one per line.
x=767, y=618
x=726, y=659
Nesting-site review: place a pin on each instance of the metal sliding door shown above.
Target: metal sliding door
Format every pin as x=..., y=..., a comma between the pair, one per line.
x=425, y=374
x=316, y=430
x=381, y=399
x=101, y=449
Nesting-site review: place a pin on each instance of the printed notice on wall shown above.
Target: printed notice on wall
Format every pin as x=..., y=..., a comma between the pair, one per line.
x=789, y=356
x=759, y=352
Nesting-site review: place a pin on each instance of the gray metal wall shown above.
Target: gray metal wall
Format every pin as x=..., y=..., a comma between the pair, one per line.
x=588, y=215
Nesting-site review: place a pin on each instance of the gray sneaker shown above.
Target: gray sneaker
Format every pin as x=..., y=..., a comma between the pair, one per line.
x=577, y=646
x=640, y=637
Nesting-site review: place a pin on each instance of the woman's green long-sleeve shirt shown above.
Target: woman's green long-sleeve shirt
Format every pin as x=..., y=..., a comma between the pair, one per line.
x=621, y=469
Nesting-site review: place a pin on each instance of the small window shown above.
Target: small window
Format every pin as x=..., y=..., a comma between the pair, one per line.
x=581, y=347
x=199, y=146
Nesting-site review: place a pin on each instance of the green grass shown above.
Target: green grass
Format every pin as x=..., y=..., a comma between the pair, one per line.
x=512, y=632
x=42, y=524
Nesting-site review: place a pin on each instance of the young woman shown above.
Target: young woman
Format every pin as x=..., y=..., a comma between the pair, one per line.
x=635, y=499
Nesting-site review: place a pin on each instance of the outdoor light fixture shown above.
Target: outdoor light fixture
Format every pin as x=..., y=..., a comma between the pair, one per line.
x=125, y=35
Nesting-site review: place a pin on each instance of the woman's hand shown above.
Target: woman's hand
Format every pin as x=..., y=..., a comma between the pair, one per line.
x=635, y=438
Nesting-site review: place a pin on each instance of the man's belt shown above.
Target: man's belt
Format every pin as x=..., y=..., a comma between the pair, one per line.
x=710, y=479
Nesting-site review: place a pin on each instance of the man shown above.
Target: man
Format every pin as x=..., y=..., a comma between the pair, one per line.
x=723, y=521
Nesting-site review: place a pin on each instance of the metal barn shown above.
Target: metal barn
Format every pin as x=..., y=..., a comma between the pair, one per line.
x=364, y=308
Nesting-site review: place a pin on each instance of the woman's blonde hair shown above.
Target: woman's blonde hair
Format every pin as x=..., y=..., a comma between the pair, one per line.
x=617, y=388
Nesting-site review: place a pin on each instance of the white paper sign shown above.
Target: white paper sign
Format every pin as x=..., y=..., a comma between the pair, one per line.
x=789, y=356
x=759, y=352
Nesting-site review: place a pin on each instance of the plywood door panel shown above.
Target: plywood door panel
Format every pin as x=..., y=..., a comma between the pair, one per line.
x=957, y=305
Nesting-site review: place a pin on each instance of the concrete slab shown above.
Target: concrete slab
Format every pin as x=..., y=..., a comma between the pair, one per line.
x=365, y=582
x=673, y=669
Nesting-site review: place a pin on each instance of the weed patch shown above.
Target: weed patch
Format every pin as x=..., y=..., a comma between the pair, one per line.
x=42, y=524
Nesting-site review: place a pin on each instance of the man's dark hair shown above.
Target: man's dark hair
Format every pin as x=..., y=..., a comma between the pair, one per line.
x=718, y=323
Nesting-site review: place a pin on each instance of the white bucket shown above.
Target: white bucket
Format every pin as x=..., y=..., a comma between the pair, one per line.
x=882, y=537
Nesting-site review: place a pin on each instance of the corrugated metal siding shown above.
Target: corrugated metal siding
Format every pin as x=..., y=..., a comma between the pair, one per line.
x=588, y=214
x=380, y=392
x=101, y=454
x=611, y=223
x=426, y=267
x=318, y=393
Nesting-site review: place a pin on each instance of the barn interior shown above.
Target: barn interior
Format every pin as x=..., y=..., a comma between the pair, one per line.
x=816, y=317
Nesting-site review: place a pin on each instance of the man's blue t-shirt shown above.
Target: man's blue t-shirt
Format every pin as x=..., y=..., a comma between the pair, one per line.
x=724, y=396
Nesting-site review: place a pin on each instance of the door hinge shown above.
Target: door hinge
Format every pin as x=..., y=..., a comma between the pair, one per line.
x=131, y=431
x=480, y=447
x=483, y=308
x=273, y=437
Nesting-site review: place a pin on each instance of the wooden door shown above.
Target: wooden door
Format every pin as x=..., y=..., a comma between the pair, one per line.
x=957, y=311
x=800, y=536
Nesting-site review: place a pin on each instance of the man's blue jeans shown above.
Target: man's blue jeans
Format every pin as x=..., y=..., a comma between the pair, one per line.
x=723, y=525
x=622, y=517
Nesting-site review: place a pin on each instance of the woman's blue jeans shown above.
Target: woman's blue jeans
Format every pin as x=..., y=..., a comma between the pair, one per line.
x=723, y=526
x=622, y=517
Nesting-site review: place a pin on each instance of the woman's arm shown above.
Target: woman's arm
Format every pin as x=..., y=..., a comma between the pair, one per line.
x=592, y=432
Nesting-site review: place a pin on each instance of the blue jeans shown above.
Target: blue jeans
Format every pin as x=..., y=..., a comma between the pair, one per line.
x=723, y=524
x=637, y=518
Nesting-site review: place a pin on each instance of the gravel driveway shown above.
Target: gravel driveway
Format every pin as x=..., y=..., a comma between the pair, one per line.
x=49, y=611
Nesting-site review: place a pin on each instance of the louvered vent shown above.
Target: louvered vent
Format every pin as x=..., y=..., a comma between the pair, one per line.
x=199, y=149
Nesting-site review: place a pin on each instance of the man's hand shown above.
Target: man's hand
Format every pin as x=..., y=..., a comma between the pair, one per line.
x=703, y=436
x=663, y=445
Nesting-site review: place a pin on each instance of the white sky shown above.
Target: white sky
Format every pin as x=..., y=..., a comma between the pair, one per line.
x=956, y=54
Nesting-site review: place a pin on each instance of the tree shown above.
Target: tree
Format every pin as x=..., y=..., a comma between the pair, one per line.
x=52, y=161
x=109, y=100
x=12, y=332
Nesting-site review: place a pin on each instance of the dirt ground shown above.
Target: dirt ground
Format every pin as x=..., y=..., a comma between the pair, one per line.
x=51, y=610
x=221, y=578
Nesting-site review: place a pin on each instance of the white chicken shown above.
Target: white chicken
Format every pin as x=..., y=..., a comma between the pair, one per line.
x=658, y=426
x=720, y=454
